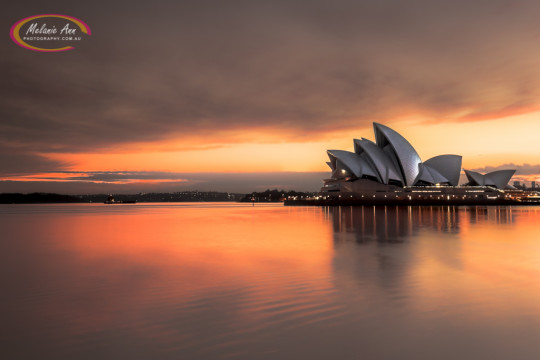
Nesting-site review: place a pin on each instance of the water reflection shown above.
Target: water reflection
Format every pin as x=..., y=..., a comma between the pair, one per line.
x=447, y=282
x=398, y=223
x=207, y=281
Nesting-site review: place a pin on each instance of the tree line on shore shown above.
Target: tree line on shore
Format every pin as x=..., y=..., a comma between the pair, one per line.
x=184, y=196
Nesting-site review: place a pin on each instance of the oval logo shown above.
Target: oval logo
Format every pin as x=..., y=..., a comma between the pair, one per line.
x=49, y=32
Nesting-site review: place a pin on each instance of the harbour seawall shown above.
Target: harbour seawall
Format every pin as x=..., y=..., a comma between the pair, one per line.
x=406, y=202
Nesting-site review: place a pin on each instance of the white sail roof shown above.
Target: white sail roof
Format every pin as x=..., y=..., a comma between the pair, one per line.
x=447, y=165
x=407, y=157
x=378, y=160
x=499, y=178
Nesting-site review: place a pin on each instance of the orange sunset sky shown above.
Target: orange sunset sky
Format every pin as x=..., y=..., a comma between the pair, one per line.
x=243, y=96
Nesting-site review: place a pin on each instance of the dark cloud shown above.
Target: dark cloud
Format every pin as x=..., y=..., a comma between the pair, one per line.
x=298, y=67
x=18, y=161
x=135, y=182
x=116, y=176
x=524, y=169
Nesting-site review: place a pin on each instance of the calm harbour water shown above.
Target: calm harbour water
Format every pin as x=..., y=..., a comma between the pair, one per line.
x=232, y=281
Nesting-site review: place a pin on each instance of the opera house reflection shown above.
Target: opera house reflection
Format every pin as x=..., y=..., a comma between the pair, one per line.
x=397, y=223
x=435, y=275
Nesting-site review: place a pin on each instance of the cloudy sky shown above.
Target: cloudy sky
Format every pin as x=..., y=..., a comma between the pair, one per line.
x=245, y=95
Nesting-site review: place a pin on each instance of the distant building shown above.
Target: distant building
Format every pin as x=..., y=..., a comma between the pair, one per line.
x=533, y=184
x=517, y=184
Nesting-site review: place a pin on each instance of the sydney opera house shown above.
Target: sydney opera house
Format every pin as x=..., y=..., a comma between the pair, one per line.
x=390, y=170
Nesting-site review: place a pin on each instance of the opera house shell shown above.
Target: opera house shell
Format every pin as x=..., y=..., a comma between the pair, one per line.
x=498, y=179
x=392, y=162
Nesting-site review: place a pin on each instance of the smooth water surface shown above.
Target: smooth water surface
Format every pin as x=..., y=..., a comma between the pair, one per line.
x=235, y=281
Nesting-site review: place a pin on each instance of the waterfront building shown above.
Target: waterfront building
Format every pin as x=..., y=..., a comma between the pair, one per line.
x=390, y=170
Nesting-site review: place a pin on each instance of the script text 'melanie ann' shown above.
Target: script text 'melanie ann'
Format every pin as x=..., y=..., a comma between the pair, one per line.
x=44, y=30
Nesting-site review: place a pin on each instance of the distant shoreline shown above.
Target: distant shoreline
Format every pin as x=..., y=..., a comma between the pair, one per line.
x=185, y=196
x=53, y=198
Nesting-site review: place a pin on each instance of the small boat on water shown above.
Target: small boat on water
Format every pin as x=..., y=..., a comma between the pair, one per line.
x=112, y=200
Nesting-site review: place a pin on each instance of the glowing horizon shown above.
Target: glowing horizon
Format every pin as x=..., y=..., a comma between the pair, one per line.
x=501, y=144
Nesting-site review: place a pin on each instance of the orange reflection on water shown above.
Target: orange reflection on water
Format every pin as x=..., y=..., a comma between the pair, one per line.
x=492, y=268
x=244, y=241
x=504, y=262
x=235, y=281
x=443, y=261
x=123, y=258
